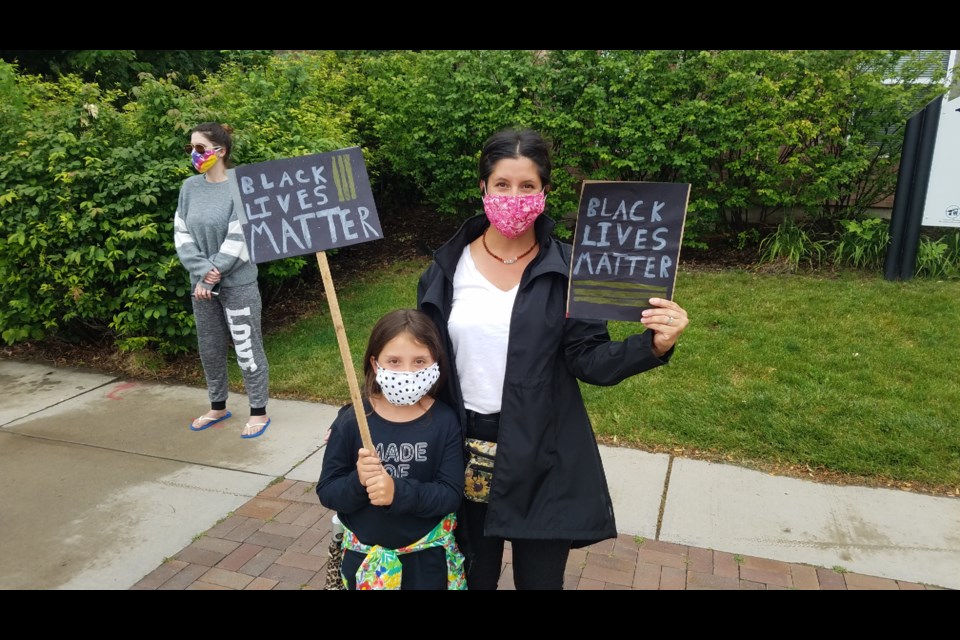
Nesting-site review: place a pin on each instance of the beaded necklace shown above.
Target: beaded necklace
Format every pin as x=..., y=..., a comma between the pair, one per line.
x=483, y=239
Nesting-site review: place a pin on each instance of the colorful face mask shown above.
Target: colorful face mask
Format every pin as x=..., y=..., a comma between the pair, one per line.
x=203, y=162
x=407, y=387
x=512, y=215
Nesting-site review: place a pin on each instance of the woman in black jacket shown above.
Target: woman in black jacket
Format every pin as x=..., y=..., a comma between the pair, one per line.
x=497, y=292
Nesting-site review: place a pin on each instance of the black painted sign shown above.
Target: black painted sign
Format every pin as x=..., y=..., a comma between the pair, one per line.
x=306, y=204
x=626, y=248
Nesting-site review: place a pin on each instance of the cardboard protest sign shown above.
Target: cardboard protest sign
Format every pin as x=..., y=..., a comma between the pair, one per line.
x=306, y=204
x=310, y=204
x=626, y=247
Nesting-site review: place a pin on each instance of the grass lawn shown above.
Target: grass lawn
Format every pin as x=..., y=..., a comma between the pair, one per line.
x=844, y=376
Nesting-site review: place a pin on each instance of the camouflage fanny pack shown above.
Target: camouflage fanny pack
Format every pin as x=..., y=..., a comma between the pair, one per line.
x=479, y=472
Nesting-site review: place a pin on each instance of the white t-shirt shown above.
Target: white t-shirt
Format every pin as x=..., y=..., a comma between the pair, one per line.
x=479, y=328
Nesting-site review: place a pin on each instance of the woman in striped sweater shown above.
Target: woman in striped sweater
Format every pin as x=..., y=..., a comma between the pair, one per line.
x=226, y=296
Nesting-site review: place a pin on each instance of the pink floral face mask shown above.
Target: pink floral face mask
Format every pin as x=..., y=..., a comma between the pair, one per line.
x=512, y=215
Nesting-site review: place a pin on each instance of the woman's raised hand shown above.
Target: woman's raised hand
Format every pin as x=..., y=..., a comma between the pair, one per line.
x=668, y=320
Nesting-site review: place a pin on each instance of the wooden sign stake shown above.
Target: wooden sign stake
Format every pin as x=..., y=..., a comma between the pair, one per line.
x=345, y=350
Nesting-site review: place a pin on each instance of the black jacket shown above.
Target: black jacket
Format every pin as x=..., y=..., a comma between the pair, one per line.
x=549, y=481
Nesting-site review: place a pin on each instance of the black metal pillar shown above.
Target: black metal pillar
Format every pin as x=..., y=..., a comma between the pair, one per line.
x=911, y=194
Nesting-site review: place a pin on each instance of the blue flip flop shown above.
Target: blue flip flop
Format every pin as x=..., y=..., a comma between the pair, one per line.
x=263, y=426
x=212, y=421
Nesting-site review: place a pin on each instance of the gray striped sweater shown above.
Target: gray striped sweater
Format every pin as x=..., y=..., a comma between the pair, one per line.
x=207, y=233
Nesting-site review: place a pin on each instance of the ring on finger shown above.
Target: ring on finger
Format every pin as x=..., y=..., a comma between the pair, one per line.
x=670, y=321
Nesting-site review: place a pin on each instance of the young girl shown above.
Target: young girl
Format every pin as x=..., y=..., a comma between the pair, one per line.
x=398, y=503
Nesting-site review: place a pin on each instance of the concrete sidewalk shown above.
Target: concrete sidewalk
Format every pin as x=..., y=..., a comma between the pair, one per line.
x=105, y=487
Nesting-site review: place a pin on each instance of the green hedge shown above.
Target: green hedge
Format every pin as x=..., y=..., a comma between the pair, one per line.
x=767, y=131
x=88, y=190
x=89, y=177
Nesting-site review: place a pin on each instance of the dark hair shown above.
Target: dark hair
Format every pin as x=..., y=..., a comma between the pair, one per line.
x=516, y=143
x=220, y=135
x=420, y=327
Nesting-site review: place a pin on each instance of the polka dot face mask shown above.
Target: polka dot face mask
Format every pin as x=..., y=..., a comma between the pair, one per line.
x=407, y=387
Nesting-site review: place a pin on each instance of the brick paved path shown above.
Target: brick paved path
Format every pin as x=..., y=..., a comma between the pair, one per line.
x=280, y=539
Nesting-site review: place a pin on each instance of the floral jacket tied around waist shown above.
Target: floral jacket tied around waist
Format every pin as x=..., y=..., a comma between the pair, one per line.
x=382, y=570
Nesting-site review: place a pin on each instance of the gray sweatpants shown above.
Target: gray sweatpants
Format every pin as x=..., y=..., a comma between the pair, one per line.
x=233, y=317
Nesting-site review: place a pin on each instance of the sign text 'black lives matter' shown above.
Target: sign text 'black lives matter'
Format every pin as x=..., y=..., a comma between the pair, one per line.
x=306, y=204
x=626, y=247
